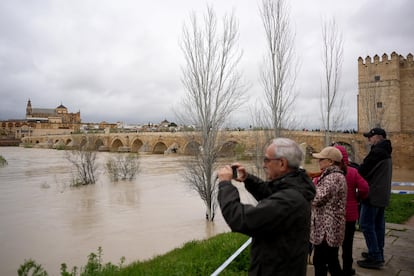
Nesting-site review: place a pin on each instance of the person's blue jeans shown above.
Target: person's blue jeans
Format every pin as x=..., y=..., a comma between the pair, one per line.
x=372, y=223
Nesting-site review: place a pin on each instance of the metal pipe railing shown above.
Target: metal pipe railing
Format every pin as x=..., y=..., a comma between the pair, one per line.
x=231, y=258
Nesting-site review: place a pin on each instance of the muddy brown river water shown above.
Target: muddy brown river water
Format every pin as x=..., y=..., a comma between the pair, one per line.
x=43, y=218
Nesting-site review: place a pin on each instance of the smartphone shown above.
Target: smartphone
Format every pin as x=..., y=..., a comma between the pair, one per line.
x=234, y=168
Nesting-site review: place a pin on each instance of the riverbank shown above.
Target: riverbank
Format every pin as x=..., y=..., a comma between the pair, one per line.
x=202, y=257
x=205, y=256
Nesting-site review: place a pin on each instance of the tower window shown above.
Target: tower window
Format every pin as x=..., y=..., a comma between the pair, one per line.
x=377, y=78
x=379, y=104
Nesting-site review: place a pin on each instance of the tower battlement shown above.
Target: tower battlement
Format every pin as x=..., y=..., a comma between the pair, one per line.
x=386, y=93
x=408, y=61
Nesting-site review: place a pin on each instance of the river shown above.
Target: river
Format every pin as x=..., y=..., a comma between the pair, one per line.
x=44, y=219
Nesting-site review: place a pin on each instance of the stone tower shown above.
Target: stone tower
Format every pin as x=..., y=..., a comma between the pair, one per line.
x=386, y=93
x=29, y=108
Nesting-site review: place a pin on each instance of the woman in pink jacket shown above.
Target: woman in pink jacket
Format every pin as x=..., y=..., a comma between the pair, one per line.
x=357, y=190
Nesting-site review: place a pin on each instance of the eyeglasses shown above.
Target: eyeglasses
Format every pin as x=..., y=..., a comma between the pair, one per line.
x=267, y=159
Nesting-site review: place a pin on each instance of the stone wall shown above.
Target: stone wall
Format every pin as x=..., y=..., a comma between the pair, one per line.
x=403, y=150
x=407, y=94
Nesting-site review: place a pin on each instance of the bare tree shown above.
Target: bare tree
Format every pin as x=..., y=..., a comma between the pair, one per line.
x=331, y=98
x=213, y=91
x=123, y=166
x=278, y=74
x=84, y=162
x=262, y=133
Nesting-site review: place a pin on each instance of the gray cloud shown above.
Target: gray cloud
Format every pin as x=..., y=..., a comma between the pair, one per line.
x=121, y=61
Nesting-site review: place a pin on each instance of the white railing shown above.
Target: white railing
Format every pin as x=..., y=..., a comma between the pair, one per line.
x=231, y=258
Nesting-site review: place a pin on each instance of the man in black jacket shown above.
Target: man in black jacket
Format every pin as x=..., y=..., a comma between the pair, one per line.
x=280, y=223
x=377, y=171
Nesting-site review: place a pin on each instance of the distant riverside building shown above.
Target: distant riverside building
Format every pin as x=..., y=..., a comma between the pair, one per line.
x=55, y=121
x=386, y=93
x=58, y=115
x=42, y=121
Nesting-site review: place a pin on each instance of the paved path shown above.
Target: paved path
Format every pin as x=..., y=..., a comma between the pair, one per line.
x=398, y=252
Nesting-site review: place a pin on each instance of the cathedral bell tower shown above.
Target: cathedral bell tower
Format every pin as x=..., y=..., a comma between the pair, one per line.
x=29, y=108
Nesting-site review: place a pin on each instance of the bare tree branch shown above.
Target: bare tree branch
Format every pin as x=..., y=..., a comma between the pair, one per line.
x=214, y=90
x=280, y=67
x=332, y=111
x=85, y=163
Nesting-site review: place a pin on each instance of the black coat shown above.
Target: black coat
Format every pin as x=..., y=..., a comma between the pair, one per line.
x=377, y=171
x=279, y=224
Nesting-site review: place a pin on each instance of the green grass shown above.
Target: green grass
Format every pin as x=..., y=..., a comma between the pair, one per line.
x=193, y=258
x=200, y=257
x=196, y=258
x=401, y=208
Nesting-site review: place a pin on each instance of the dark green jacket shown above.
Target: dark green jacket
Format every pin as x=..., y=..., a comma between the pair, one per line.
x=279, y=224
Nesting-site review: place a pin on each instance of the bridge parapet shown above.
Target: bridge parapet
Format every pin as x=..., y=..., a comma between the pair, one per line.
x=188, y=143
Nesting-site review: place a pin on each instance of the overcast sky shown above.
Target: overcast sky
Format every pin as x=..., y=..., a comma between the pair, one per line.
x=121, y=60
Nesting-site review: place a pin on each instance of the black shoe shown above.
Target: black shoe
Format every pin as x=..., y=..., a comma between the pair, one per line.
x=366, y=256
x=370, y=263
x=349, y=272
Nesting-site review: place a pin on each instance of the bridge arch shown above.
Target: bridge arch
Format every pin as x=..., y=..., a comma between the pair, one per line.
x=136, y=145
x=58, y=144
x=83, y=142
x=116, y=144
x=98, y=144
x=159, y=148
x=68, y=141
x=191, y=148
x=228, y=149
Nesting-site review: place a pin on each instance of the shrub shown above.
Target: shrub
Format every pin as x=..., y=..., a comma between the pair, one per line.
x=30, y=267
x=124, y=167
x=85, y=163
x=94, y=266
x=3, y=161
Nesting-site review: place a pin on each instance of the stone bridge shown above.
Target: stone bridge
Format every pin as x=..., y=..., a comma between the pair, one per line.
x=188, y=142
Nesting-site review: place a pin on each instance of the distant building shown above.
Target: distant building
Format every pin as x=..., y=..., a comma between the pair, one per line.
x=58, y=115
x=42, y=121
x=386, y=93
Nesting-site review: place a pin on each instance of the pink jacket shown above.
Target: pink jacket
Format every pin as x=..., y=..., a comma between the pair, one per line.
x=354, y=181
x=357, y=188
